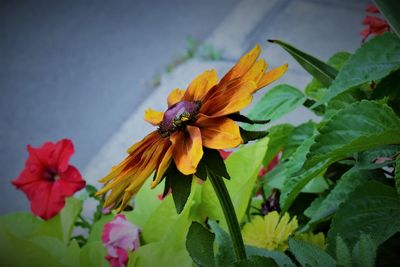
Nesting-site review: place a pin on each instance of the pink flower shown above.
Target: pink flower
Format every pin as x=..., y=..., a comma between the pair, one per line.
x=120, y=237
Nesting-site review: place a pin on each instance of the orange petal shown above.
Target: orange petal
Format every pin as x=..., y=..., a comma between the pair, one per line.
x=153, y=116
x=272, y=76
x=200, y=85
x=175, y=96
x=188, y=149
x=236, y=96
x=256, y=72
x=243, y=65
x=151, y=137
x=165, y=162
x=219, y=133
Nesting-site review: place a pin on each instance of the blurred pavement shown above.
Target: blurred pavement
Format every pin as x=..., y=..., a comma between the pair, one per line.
x=80, y=71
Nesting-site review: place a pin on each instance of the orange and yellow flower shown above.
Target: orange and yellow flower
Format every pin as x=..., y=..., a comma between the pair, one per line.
x=195, y=117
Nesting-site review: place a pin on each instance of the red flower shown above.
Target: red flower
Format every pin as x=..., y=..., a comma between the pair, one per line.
x=48, y=179
x=374, y=25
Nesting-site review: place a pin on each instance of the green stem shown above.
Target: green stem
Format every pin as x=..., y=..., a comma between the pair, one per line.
x=230, y=215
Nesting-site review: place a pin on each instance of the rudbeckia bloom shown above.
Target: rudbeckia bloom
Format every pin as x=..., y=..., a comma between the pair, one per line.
x=196, y=117
x=270, y=232
x=48, y=179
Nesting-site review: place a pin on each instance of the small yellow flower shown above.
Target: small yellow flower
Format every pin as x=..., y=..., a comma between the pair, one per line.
x=270, y=232
x=314, y=239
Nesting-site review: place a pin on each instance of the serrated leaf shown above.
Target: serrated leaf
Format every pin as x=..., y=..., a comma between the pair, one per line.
x=299, y=134
x=280, y=258
x=310, y=255
x=180, y=186
x=367, y=160
x=199, y=243
x=298, y=177
x=277, y=102
x=339, y=194
x=358, y=127
x=343, y=253
x=372, y=208
x=364, y=252
x=225, y=255
x=278, y=136
x=390, y=10
x=374, y=60
x=317, y=68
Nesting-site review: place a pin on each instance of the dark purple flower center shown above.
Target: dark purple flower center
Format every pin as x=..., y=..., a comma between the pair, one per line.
x=178, y=116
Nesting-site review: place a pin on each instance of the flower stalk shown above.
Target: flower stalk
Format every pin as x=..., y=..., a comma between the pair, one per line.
x=230, y=215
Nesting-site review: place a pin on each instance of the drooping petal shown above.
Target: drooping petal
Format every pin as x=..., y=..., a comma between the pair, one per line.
x=200, y=85
x=271, y=76
x=187, y=149
x=233, y=98
x=153, y=116
x=256, y=72
x=47, y=199
x=219, y=133
x=165, y=162
x=175, y=96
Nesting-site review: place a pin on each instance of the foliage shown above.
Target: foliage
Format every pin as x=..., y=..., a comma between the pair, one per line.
x=338, y=179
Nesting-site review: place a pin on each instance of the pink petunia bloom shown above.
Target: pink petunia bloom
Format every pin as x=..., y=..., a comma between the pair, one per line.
x=120, y=237
x=48, y=179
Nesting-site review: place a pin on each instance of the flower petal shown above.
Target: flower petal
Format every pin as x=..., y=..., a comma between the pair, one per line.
x=165, y=162
x=153, y=116
x=271, y=76
x=235, y=96
x=175, y=96
x=219, y=133
x=243, y=65
x=188, y=149
x=200, y=85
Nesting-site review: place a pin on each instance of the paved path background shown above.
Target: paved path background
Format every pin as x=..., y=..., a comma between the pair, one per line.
x=319, y=27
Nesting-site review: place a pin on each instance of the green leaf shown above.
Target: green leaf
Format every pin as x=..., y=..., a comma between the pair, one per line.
x=21, y=224
x=315, y=89
x=364, y=252
x=397, y=174
x=340, y=193
x=61, y=226
x=278, y=136
x=298, y=178
x=199, y=243
x=390, y=10
x=366, y=160
x=310, y=255
x=256, y=261
x=343, y=253
x=244, y=165
x=164, y=237
x=180, y=186
x=373, y=61
x=317, y=68
x=373, y=208
x=225, y=255
x=146, y=203
x=215, y=163
x=359, y=126
x=93, y=254
x=280, y=258
x=297, y=137
x=277, y=102
x=248, y=136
